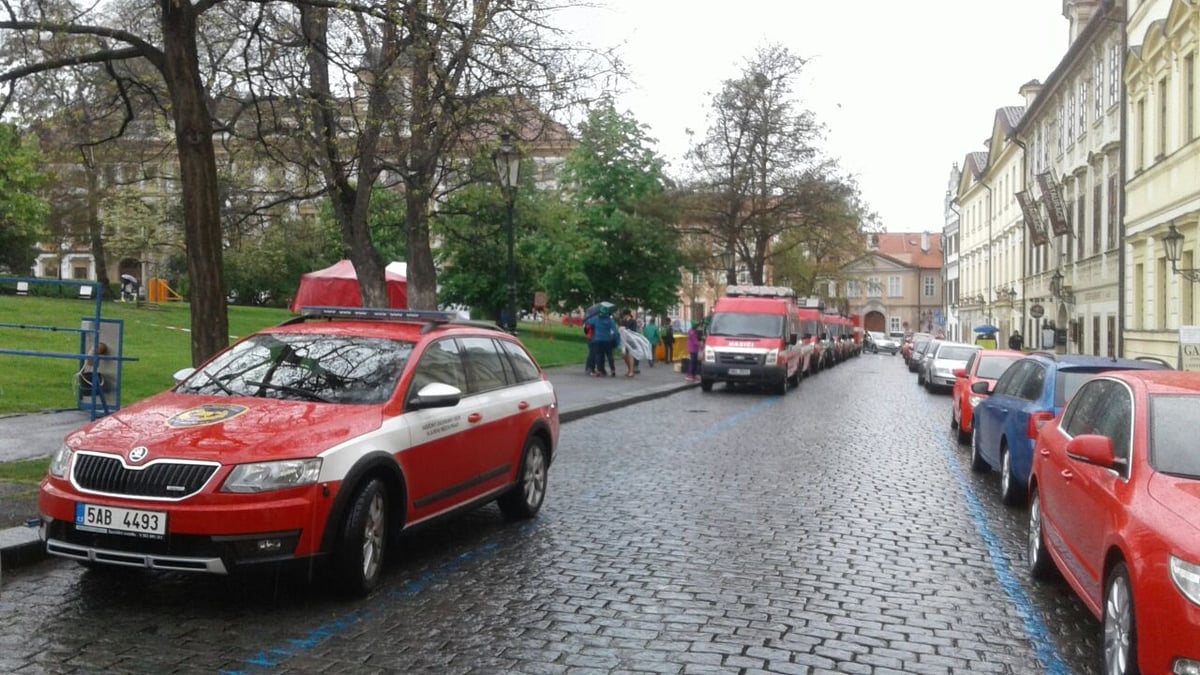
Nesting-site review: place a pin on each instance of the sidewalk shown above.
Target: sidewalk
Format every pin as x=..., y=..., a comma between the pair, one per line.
x=579, y=395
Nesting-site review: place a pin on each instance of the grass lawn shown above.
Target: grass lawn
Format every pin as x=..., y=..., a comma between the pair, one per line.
x=160, y=341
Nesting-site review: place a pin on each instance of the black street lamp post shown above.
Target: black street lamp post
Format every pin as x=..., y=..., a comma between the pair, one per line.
x=508, y=166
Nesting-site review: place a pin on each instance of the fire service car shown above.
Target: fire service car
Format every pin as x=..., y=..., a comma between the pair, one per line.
x=319, y=440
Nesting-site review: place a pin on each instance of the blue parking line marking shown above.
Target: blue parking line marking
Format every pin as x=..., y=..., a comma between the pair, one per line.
x=273, y=657
x=721, y=426
x=1036, y=629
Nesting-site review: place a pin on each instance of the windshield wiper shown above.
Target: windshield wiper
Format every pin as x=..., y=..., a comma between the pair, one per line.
x=310, y=395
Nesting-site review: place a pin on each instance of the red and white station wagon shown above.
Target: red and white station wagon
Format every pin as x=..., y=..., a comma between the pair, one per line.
x=319, y=439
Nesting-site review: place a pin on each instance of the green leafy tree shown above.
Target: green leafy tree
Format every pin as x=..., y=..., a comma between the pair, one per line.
x=265, y=269
x=23, y=211
x=628, y=247
x=473, y=252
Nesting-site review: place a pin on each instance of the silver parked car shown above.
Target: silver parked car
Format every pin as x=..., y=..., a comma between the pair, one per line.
x=944, y=360
x=882, y=342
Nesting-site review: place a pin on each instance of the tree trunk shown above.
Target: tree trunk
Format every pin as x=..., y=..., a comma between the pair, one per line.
x=198, y=176
x=95, y=229
x=422, y=279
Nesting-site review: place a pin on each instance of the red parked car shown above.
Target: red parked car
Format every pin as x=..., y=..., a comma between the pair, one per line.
x=985, y=365
x=1115, y=506
x=321, y=439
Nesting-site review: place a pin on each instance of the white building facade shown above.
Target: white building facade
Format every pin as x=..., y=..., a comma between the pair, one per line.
x=1162, y=186
x=950, y=241
x=1071, y=189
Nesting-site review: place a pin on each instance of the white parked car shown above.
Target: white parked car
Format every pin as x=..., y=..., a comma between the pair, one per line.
x=948, y=357
x=882, y=342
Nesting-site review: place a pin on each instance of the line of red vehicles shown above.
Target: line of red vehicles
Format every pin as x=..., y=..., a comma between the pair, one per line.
x=761, y=335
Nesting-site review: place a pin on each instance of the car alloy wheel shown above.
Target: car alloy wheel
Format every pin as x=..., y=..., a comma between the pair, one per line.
x=1010, y=490
x=1038, y=559
x=525, y=498
x=1120, y=625
x=364, y=537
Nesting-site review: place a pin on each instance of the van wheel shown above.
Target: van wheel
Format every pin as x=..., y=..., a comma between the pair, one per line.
x=359, y=558
x=794, y=380
x=525, y=498
x=780, y=388
x=706, y=385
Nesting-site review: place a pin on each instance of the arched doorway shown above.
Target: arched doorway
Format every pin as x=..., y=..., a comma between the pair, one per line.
x=875, y=321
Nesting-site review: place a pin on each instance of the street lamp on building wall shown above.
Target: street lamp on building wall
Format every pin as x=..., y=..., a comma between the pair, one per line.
x=1173, y=242
x=980, y=300
x=508, y=167
x=1058, y=290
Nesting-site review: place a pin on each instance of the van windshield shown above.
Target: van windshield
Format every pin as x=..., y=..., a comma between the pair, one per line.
x=737, y=324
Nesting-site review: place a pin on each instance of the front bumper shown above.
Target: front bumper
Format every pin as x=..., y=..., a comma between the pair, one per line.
x=213, y=533
x=750, y=374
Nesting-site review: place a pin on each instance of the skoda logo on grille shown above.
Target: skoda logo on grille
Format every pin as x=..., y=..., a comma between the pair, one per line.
x=139, y=453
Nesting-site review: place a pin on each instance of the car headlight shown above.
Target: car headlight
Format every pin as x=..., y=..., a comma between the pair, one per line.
x=267, y=476
x=974, y=401
x=60, y=461
x=773, y=358
x=1186, y=576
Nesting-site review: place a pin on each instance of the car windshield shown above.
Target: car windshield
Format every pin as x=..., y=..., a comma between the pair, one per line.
x=742, y=324
x=305, y=367
x=1173, y=449
x=955, y=353
x=992, y=367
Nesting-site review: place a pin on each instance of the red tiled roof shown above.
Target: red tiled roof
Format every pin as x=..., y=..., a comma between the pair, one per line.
x=906, y=248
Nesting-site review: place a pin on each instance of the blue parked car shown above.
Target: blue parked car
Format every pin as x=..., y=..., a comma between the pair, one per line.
x=1031, y=391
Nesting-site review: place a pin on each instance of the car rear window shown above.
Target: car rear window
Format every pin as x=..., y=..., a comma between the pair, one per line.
x=1172, y=445
x=992, y=367
x=955, y=352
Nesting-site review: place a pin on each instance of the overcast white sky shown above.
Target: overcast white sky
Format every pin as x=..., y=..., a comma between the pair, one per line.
x=905, y=88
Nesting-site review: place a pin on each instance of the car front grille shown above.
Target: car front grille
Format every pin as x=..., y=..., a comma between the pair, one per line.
x=740, y=359
x=159, y=480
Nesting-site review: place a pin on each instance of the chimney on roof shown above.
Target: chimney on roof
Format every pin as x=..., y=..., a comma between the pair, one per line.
x=925, y=242
x=1030, y=91
x=1079, y=13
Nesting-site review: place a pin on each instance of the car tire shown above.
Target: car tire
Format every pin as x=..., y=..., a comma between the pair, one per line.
x=706, y=385
x=1037, y=558
x=1120, y=624
x=953, y=420
x=359, y=559
x=525, y=498
x=978, y=463
x=964, y=437
x=781, y=387
x=1012, y=493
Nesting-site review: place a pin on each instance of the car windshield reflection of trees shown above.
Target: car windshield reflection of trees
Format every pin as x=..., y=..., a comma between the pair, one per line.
x=326, y=368
x=746, y=325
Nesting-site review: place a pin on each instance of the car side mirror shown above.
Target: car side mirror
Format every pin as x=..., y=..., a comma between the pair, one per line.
x=435, y=395
x=981, y=387
x=960, y=372
x=1093, y=449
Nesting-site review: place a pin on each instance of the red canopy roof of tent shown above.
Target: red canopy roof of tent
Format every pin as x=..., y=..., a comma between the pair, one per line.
x=337, y=286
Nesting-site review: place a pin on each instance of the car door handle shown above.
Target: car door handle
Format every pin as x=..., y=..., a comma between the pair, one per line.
x=474, y=417
x=1067, y=475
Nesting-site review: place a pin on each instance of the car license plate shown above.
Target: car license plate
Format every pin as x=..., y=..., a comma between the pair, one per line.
x=739, y=371
x=116, y=520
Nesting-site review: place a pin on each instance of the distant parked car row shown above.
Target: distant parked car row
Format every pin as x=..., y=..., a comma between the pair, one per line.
x=1100, y=451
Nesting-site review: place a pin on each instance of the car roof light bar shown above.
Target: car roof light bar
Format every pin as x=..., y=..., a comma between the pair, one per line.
x=377, y=314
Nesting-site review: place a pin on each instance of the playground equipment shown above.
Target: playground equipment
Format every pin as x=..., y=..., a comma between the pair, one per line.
x=101, y=349
x=157, y=290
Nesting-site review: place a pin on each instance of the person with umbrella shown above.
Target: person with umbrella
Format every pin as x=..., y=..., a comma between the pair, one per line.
x=604, y=339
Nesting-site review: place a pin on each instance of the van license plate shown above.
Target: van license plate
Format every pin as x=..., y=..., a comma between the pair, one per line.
x=739, y=371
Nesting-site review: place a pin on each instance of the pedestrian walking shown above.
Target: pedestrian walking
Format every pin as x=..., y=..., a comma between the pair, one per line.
x=693, y=347
x=629, y=323
x=1014, y=340
x=590, y=332
x=668, y=341
x=604, y=339
x=651, y=334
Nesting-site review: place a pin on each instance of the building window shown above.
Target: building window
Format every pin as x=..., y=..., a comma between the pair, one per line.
x=1114, y=193
x=1162, y=119
x=1083, y=109
x=1096, y=335
x=1080, y=231
x=1187, y=308
x=1098, y=78
x=895, y=288
x=79, y=273
x=1073, y=219
x=894, y=325
x=1139, y=295
x=930, y=284
x=874, y=288
x=1160, y=294
x=1070, y=119
x=1141, y=134
x=1097, y=212
x=852, y=289
x=1114, y=73
x=1062, y=132
x=1189, y=96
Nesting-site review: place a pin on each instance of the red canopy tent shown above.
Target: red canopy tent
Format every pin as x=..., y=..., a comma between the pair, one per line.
x=337, y=286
